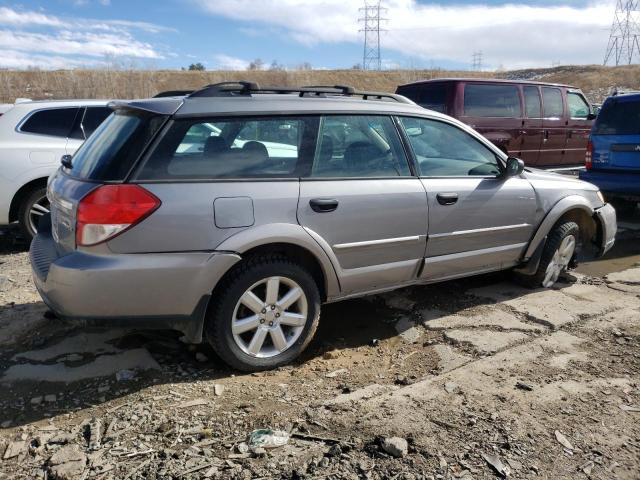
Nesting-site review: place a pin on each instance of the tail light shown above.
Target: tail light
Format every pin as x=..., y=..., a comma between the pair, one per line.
x=109, y=210
x=588, y=157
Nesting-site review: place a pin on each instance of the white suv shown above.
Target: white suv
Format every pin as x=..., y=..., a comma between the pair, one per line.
x=33, y=137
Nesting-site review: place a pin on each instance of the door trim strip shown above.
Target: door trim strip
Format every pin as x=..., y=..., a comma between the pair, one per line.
x=378, y=243
x=501, y=228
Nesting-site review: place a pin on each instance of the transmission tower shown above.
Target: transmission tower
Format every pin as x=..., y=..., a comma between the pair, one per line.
x=624, y=40
x=476, y=62
x=371, y=18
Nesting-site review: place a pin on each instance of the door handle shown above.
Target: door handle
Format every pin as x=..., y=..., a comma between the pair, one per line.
x=447, y=198
x=546, y=136
x=323, y=205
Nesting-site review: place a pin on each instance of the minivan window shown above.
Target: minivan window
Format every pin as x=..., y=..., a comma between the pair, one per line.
x=553, y=105
x=109, y=154
x=532, y=102
x=578, y=106
x=56, y=122
x=359, y=146
x=444, y=150
x=232, y=148
x=431, y=96
x=492, y=101
x=618, y=117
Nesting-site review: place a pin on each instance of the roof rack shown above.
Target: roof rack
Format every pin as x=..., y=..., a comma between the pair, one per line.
x=617, y=92
x=173, y=93
x=227, y=89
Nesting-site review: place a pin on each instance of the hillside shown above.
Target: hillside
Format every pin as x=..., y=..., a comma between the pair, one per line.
x=596, y=81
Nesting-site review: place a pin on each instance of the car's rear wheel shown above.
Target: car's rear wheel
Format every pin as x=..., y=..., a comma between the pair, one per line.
x=264, y=314
x=557, y=256
x=34, y=205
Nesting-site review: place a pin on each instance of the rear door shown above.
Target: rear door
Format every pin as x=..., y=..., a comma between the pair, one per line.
x=554, y=126
x=478, y=220
x=51, y=128
x=362, y=203
x=616, y=135
x=578, y=127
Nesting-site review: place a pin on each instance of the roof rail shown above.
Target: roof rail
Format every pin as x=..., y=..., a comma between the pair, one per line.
x=226, y=89
x=173, y=93
x=617, y=92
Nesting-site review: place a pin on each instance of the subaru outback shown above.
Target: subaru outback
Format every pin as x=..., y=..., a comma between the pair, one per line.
x=232, y=213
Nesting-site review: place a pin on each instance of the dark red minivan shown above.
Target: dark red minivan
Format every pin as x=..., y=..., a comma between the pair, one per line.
x=544, y=124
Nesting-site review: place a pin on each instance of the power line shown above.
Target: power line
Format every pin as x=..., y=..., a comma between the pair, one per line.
x=624, y=39
x=476, y=62
x=371, y=17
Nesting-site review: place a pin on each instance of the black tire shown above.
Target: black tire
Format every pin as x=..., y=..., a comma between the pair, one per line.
x=554, y=240
x=220, y=313
x=28, y=227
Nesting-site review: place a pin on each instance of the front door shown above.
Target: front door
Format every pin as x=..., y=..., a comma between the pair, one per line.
x=363, y=206
x=478, y=220
x=578, y=128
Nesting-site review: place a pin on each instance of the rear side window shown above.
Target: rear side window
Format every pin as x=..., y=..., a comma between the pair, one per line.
x=89, y=119
x=277, y=147
x=553, y=105
x=359, y=146
x=56, y=122
x=532, y=102
x=109, y=154
x=431, y=96
x=618, y=117
x=492, y=101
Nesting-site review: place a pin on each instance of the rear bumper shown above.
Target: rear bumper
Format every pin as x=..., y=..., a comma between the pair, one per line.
x=608, y=225
x=618, y=183
x=162, y=290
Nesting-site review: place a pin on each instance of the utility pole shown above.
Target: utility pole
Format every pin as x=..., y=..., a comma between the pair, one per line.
x=476, y=62
x=624, y=39
x=371, y=17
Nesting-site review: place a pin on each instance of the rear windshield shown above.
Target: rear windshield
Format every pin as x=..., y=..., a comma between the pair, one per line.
x=433, y=97
x=618, y=118
x=110, y=152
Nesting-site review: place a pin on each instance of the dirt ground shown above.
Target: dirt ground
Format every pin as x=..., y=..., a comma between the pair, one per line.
x=476, y=378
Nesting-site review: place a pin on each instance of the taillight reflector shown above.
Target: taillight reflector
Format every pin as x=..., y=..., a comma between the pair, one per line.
x=109, y=210
x=588, y=158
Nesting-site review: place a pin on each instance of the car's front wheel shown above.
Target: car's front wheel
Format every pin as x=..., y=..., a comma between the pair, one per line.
x=556, y=257
x=264, y=314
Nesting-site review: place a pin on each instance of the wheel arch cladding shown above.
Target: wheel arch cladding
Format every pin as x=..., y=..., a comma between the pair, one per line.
x=572, y=208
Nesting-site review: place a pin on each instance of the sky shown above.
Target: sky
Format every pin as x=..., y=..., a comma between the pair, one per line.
x=228, y=34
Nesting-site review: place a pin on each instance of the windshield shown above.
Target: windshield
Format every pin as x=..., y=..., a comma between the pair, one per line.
x=619, y=117
x=109, y=153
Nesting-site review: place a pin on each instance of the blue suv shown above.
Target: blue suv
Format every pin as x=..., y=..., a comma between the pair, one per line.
x=613, y=153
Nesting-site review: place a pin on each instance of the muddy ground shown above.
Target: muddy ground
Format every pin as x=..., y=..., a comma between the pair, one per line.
x=479, y=377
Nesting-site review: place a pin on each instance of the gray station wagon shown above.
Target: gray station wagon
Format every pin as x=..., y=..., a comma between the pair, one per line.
x=232, y=213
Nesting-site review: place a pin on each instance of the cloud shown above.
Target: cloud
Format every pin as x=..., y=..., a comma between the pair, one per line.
x=513, y=35
x=70, y=42
x=226, y=62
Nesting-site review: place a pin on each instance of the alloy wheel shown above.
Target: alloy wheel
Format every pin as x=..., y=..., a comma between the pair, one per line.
x=269, y=317
x=37, y=209
x=560, y=261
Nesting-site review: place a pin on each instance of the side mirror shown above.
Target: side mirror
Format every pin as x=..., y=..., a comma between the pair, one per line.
x=515, y=167
x=65, y=161
x=592, y=116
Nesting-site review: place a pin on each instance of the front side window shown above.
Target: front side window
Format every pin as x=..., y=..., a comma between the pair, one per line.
x=553, y=106
x=578, y=106
x=492, y=101
x=232, y=148
x=444, y=150
x=359, y=146
x=56, y=122
x=532, y=102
